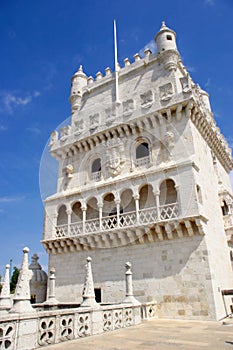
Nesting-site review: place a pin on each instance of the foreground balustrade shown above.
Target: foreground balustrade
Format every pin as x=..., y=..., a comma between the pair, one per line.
x=124, y=220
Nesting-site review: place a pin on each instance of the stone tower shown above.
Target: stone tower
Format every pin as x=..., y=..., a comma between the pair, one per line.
x=143, y=179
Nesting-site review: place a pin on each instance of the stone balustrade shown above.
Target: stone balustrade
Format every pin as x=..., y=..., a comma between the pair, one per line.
x=31, y=331
x=124, y=220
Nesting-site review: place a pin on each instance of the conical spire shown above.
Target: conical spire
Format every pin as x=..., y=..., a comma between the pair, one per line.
x=22, y=294
x=88, y=289
x=5, y=299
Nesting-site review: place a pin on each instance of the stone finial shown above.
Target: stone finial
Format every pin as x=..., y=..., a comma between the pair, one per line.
x=163, y=24
x=129, y=298
x=22, y=296
x=88, y=289
x=51, y=292
x=5, y=299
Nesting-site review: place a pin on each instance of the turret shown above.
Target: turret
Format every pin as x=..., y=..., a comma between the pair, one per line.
x=78, y=82
x=166, y=45
x=165, y=39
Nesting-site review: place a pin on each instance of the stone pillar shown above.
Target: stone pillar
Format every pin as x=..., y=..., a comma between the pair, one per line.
x=118, y=205
x=68, y=212
x=157, y=204
x=22, y=296
x=88, y=289
x=54, y=225
x=136, y=198
x=84, y=210
x=51, y=291
x=100, y=206
x=129, y=298
x=5, y=299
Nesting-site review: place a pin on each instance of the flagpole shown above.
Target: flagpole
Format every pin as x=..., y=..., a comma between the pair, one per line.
x=116, y=63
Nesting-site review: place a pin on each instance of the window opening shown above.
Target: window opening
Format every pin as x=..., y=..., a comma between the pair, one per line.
x=98, y=295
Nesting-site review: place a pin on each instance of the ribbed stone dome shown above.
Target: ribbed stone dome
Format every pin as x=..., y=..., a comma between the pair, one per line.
x=38, y=282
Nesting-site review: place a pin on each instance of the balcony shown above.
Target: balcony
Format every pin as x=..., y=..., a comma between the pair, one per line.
x=125, y=220
x=143, y=161
x=96, y=176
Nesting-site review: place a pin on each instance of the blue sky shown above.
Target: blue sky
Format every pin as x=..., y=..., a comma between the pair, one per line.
x=42, y=45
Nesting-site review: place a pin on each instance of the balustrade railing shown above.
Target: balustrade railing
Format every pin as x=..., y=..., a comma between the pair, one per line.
x=148, y=215
x=96, y=176
x=168, y=211
x=142, y=161
x=62, y=231
x=144, y=216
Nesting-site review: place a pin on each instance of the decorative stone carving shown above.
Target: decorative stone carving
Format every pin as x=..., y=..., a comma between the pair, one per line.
x=66, y=328
x=46, y=331
x=147, y=99
x=53, y=137
x=169, y=139
x=128, y=107
x=117, y=319
x=22, y=294
x=69, y=171
x=166, y=92
x=128, y=317
x=186, y=84
x=79, y=125
x=65, y=132
x=94, y=121
x=110, y=115
x=7, y=336
x=114, y=155
x=5, y=299
x=107, y=321
x=84, y=325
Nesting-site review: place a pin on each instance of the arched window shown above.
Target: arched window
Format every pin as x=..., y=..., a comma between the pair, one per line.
x=62, y=218
x=168, y=194
x=142, y=154
x=96, y=169
x=146, y=195
x=76, y=215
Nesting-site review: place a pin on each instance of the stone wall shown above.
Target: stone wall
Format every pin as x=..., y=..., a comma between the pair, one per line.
x=176, y=274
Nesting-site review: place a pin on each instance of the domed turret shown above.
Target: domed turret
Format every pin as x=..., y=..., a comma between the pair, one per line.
x=166, y=44
x=38, y=282
x=78, y=82
x=165, y=39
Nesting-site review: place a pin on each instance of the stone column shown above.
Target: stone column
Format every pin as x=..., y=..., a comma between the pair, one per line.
x=157, y=193
x=129, y=298
x=84, y=210
x=54, y=225
x=136, y=198
x=88, y=289
x=22, y=296
x=51, y=299
x=5, y=299
x=68, y=212
x=118, y=205
x=100, y=206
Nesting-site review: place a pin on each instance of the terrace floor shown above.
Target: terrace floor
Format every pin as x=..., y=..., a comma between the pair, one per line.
x=159, y=334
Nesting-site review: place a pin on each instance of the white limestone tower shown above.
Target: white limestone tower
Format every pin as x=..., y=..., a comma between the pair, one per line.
x=143, y=180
